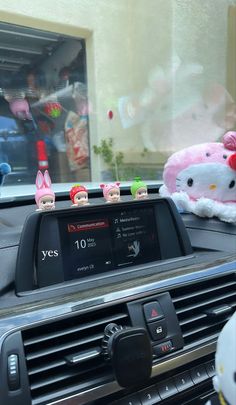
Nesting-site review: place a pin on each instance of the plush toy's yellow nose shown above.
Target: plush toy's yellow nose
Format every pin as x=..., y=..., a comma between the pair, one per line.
x=212, y=186
x=221, y=369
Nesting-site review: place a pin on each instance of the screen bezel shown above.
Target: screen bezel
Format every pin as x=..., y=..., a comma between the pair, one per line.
x=172, y=235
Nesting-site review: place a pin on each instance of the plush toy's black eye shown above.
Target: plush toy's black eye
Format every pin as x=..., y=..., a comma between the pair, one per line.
x=225, y=156
x=232, y=184
x=190, y=182
x=235, y=376
x=208, y=154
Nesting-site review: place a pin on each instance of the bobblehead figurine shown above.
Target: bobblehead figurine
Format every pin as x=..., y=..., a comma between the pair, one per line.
x=139, y=189
x=111, y=192
x=44, y=196
x=79, y=196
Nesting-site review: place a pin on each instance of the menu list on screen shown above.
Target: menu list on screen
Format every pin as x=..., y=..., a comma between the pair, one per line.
x=99, y=243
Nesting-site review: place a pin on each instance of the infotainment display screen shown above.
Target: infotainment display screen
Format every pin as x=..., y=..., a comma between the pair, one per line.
x=98, y=243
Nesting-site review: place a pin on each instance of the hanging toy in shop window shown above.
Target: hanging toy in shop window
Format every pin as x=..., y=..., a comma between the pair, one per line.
x=45, y=125
x=111, y=192
x=139, y=189
x=35, y=83
x=20, y=108
x=79, y=196
x=224, y=381
x=44, y=196
x=53, y=109
x=202, y=179
x=79, y=94
x=64, y=76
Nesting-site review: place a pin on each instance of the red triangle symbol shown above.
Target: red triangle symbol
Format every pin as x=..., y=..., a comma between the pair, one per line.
x=154, y=313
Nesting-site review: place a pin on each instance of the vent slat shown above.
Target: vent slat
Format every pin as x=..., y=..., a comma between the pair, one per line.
x=62, y=332
x=191, y=295
x=41, y=397
x=64, y=355
x=48, y=366
x=206, y=303
x=202, y=328
x=62, y=347
x=71, y=360
x=203, y=315
x=202, y=341
x=196, y=308
x=57, y=378
x=192, y=319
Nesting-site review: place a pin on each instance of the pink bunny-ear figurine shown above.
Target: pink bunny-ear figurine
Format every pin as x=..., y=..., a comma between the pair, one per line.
x=111, y=192
x=44, y=196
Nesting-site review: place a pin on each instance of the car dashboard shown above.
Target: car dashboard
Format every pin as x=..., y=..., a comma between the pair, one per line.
x=142, y=332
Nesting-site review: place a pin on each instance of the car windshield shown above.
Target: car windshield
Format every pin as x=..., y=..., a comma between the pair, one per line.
x=103, y=91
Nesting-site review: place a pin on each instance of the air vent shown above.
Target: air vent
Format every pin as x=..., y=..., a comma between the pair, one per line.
x=204, y=307
x=63, y=357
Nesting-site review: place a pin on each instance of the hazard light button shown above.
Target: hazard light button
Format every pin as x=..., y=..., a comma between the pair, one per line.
x=153, y=311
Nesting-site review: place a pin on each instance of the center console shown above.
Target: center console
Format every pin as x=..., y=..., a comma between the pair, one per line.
x=93, y=242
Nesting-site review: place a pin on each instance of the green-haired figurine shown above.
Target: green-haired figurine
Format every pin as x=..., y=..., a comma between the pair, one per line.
x=139, y=189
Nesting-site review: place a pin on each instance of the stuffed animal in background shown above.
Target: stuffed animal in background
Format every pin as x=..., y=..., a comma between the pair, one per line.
x=178, y=105
x=20, y=108
x=225, y=363
x=5, y=169
x=202, y=179
x=53, y=109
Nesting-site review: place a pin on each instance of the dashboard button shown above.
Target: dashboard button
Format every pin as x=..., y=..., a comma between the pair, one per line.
x=130, y=400
x=149, y=396
x=210, y=368
x=167, y=388
x=153, y=311
x=198, y=374
x=158, y=330
x=163, y=348
x=183, y=381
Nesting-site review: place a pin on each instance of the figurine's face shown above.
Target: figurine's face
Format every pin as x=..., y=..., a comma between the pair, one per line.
x=113, y=195
x=141, y=194
x=46, y=203
x=210, y=180
x=81, y=198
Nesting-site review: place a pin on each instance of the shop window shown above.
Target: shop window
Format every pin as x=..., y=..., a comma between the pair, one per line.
x=43, y=105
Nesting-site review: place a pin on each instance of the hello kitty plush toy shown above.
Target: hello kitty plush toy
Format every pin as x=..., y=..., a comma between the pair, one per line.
x=44, y=196
x=202, y=179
